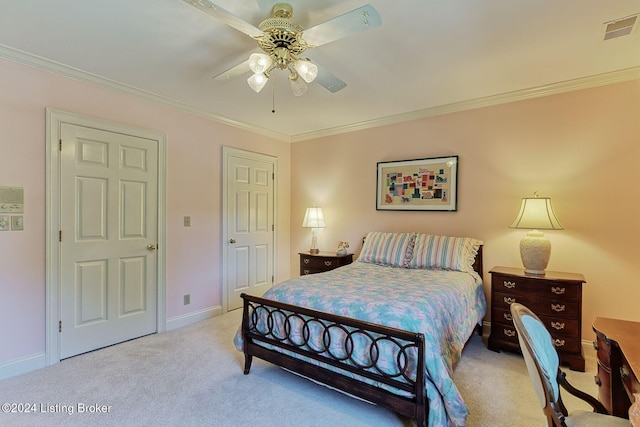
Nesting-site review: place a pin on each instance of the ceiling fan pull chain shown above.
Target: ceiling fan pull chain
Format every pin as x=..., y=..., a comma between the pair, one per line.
x=273, y=97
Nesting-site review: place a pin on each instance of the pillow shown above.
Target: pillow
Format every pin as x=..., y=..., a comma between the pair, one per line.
x=444, y=252
x=390, y=249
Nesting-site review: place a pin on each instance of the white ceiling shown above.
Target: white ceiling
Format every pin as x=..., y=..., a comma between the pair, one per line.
x=428, y=56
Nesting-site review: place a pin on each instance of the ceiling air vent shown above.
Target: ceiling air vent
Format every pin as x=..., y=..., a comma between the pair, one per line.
x=620, y=27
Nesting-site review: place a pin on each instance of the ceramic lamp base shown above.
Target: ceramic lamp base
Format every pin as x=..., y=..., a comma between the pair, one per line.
x=535, y=251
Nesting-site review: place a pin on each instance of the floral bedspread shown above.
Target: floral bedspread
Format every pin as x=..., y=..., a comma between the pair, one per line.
x=443, y=305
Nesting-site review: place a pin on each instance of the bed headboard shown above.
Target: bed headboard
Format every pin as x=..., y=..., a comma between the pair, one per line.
x=477, y=264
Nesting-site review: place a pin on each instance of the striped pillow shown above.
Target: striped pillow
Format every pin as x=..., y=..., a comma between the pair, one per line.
x=444, y=252
x=390, y=249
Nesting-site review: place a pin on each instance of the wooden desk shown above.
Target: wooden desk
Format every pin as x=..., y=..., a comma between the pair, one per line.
x=618, y=347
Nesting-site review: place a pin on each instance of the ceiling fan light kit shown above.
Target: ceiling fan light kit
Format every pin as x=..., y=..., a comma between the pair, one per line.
x=281, y=40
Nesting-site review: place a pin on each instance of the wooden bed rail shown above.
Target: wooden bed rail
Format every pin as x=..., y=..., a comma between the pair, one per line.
x=263, y=339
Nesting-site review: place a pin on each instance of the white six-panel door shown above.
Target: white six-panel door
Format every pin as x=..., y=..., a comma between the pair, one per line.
x=249, y=224
x=109, y=233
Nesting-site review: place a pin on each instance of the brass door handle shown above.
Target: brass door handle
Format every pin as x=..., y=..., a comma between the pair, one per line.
x=232, y=241
x=152, y=247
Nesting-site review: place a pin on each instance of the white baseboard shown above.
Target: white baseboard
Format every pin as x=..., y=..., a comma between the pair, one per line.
x=20, y=366
x=34, y=362
x=196, y=316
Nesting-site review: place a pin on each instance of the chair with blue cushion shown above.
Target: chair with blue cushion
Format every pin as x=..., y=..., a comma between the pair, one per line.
x=542, y=363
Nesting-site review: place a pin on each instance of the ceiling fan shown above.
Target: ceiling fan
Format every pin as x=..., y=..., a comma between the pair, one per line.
x=283, y=41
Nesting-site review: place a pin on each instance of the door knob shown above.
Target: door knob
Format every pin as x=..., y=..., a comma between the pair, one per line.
x=232, y=241
x=151, y=247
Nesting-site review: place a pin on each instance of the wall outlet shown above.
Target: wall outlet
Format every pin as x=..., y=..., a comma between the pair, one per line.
x=187, y=221
x=187, y=299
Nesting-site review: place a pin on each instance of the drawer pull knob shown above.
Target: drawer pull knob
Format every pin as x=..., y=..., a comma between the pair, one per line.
x=509, y=300
x=307, y=260
x=558, y=307
x=510, y=332
x=597, y=380
x=507, y=316
x=306, y=271
x=558, y=290
x=508, y=284
x=624, y=373
x=557, y=325
x=558, y=342
x=328, y=263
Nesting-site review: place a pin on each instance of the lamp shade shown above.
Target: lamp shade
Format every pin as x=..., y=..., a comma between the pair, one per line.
x=313, y=218
x=536, y=213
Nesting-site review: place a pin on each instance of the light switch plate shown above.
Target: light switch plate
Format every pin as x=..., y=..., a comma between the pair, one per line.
x=17, y=223
x=5, y=222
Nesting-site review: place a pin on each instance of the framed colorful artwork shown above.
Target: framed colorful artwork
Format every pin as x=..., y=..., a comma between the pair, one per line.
x=418, y=185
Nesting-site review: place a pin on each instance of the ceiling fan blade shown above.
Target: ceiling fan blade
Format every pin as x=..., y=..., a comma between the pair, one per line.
x=328, y=81
x=234, y=71
x=358, y=20
x=226, y=17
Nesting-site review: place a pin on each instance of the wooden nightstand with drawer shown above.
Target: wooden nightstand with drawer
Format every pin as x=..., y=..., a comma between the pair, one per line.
x=323, y=261
x=556, y=298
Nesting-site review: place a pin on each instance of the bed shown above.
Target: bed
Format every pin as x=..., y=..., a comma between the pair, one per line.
x=388, y=328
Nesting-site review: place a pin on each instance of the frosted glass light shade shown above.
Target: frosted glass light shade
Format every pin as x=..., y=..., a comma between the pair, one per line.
x=257, y=81
x=259, y=62
x=298, y=87
x=306, y=69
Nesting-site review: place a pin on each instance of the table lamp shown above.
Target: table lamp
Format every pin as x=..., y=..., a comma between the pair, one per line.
x=314, y=219
x=536, y=213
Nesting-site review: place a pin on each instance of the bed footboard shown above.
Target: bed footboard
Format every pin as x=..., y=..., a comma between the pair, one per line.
x=401, y=390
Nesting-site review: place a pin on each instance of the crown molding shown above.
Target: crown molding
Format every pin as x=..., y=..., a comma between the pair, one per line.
x=44, y=64
x=603, y=79
x=519, y=95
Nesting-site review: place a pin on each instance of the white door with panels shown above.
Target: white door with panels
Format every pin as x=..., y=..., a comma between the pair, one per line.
x=108, y=238
x=249, y=212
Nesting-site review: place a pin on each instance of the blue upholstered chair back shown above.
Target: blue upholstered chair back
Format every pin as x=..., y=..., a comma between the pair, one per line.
x=539, y=354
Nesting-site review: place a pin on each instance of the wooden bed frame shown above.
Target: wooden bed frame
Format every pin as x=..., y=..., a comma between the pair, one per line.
x=412, y=405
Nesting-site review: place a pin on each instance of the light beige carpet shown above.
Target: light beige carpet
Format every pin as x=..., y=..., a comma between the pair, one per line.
x=193, y=377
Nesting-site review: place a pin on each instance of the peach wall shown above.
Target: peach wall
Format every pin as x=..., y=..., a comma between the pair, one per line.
x=194, y=181
x=580, y=148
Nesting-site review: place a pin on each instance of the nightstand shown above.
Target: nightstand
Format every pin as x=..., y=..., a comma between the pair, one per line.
x=556, y=298
x=323, y=261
